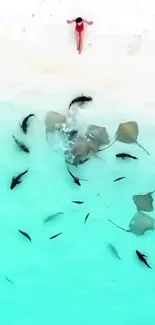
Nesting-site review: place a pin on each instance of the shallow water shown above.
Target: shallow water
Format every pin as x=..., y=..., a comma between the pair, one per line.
x=74, y=278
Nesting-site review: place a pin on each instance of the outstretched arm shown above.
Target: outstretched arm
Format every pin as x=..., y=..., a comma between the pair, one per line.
x=88, y=22
x=70, y=21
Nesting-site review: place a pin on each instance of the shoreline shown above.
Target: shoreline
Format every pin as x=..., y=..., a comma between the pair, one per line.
x=28, y=60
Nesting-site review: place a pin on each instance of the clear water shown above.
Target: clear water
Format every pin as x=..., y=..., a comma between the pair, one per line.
x=74, y=278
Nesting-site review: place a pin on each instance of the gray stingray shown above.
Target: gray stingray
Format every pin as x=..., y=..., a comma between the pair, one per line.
x=81, y=148
x=129, y=133
x=98, y=133
x=144, y=202
x=54, y=120
x=139, y=224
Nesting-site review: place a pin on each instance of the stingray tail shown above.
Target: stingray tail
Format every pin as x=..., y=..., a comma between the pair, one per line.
x=143, y=148
x=82, y=179
x=110, y=144
x=127, y=230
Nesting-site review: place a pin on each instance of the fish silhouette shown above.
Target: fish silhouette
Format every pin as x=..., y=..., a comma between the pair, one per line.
x=21, y=145
x=25, y=234
x=125, y=155
x=24, y=125
x=142, y=258
x=81, y=100
x=17, y=180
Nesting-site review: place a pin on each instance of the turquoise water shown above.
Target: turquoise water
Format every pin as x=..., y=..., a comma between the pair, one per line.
x=74, y=278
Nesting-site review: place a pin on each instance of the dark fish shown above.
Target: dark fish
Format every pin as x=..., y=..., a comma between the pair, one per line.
x=24, y=125
x=60, y=233
x=118, y=179
x=81, y=100
x=142, y=258
x=86, y=217
x=83, y=161
x=78, y=202
x=125, y=155
x=75, y=178
x=52, y=216
x=17, y=180
x=114, y=251
x=9, y=280
x=26, y=235
x=21, y=145
x=71, y=133
x=71, y=163
x=80, y=162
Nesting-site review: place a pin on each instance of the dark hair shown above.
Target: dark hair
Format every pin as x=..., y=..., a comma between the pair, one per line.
x=78, y=20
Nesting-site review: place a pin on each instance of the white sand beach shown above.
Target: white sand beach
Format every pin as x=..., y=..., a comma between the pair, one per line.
x=118, y=56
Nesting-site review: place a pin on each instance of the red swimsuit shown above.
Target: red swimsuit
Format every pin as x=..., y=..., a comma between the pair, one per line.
x=79, y=28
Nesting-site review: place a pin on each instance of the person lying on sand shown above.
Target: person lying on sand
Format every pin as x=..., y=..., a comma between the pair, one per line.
x=79, y=31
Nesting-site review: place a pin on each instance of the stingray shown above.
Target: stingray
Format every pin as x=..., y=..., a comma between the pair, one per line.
x=139, y=224
x=144, y=202
x=98, y=133
x=80, y=149
x=54, y=120
x=129, y=133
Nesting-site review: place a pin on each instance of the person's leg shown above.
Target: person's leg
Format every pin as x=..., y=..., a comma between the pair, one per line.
x=77, y=35
x=81, y=36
